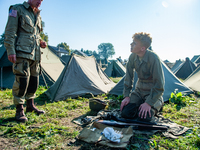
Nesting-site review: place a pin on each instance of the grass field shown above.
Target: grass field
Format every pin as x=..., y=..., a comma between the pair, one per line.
x=55, y=130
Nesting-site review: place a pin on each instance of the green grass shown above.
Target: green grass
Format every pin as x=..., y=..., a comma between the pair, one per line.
x=116, y=80
x=55, y=130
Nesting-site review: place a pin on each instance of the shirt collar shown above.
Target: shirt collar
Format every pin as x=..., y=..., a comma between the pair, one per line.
x=26, y=5
x=145, y=58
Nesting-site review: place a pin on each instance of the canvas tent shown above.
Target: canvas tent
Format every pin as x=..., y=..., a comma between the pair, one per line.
x=59, y=51
x=115, y=69
x=51, y=67
x=186, y=69
x=171, y=83
x=78, y=52
x=168, y=63
x=65, y=59
x=6, y=76
x=193, y=81
x=82, y=75
x=176, y=66
x=195, y=59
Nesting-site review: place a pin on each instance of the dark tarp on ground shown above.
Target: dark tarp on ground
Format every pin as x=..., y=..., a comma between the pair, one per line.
x=171, y=83
x=115, y=69
x=82, y=75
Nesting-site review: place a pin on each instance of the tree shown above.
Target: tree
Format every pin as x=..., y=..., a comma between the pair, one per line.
x=2, y=39
x=43, y=35
x=64, y=46
x=106, y=50
x=97, y=56
x=88, y=52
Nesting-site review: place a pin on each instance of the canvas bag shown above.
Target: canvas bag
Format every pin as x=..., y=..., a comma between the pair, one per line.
x=93, y=134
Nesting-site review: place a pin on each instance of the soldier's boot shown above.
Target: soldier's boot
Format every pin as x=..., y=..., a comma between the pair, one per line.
x=20, y=116
x=30, y=107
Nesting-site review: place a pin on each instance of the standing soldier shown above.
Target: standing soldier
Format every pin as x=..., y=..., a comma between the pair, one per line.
x=23, y=42
x=146, y=100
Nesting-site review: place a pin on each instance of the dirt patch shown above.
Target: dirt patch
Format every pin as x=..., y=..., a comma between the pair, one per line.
x=8, y=143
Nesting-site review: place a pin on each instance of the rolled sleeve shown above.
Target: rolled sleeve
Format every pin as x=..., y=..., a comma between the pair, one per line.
x=10, y=33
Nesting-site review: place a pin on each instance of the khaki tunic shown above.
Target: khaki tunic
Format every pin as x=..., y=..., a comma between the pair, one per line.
x=150, y=84
x=22, y=38
x=22, y=33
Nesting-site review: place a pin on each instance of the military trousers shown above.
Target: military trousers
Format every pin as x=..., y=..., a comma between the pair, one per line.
x=26, y=79
x=137, y=98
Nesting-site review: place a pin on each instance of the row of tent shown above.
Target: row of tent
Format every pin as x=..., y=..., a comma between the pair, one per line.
x=51, y=67
x=189, y=71
x=76, y=75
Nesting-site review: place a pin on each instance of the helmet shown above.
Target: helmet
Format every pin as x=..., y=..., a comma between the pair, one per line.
x=96, y=104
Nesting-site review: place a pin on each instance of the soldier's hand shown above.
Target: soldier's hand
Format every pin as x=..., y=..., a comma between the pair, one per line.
x=125, y=101
x=12, y=58
x=43, y=44
x=143, y=110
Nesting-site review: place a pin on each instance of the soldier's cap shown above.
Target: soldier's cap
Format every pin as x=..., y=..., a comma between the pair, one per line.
x=96, y=104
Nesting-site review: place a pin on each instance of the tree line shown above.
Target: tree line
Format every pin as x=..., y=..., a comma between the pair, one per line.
x=104, y=51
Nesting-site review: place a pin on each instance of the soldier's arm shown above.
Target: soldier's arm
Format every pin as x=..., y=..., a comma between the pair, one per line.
x=158, y=81
x=11, y=31
x=128, y=80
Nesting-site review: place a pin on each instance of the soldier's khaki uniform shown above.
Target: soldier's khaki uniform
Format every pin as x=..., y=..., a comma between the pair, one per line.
x=150, y=84
x=22, y=37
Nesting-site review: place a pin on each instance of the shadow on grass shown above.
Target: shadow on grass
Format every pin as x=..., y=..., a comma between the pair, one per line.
x=9, y=107
x=42, y=100
x=7, y=121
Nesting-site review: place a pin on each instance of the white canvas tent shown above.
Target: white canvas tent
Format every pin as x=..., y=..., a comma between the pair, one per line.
x=171, y=83
x=82, y=75
x=193, y=81
x=51, y=66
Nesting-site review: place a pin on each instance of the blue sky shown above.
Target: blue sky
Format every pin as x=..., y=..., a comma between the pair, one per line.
x=173, y=24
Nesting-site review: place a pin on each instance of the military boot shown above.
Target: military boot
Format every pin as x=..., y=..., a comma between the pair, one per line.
x=20, y=116
x=30, y=107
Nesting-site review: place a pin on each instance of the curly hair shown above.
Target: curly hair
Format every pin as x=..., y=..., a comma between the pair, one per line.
x=144, y=38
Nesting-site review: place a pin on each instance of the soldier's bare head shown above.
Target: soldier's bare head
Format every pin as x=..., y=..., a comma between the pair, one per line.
x=35, y=3
x=144, y=38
